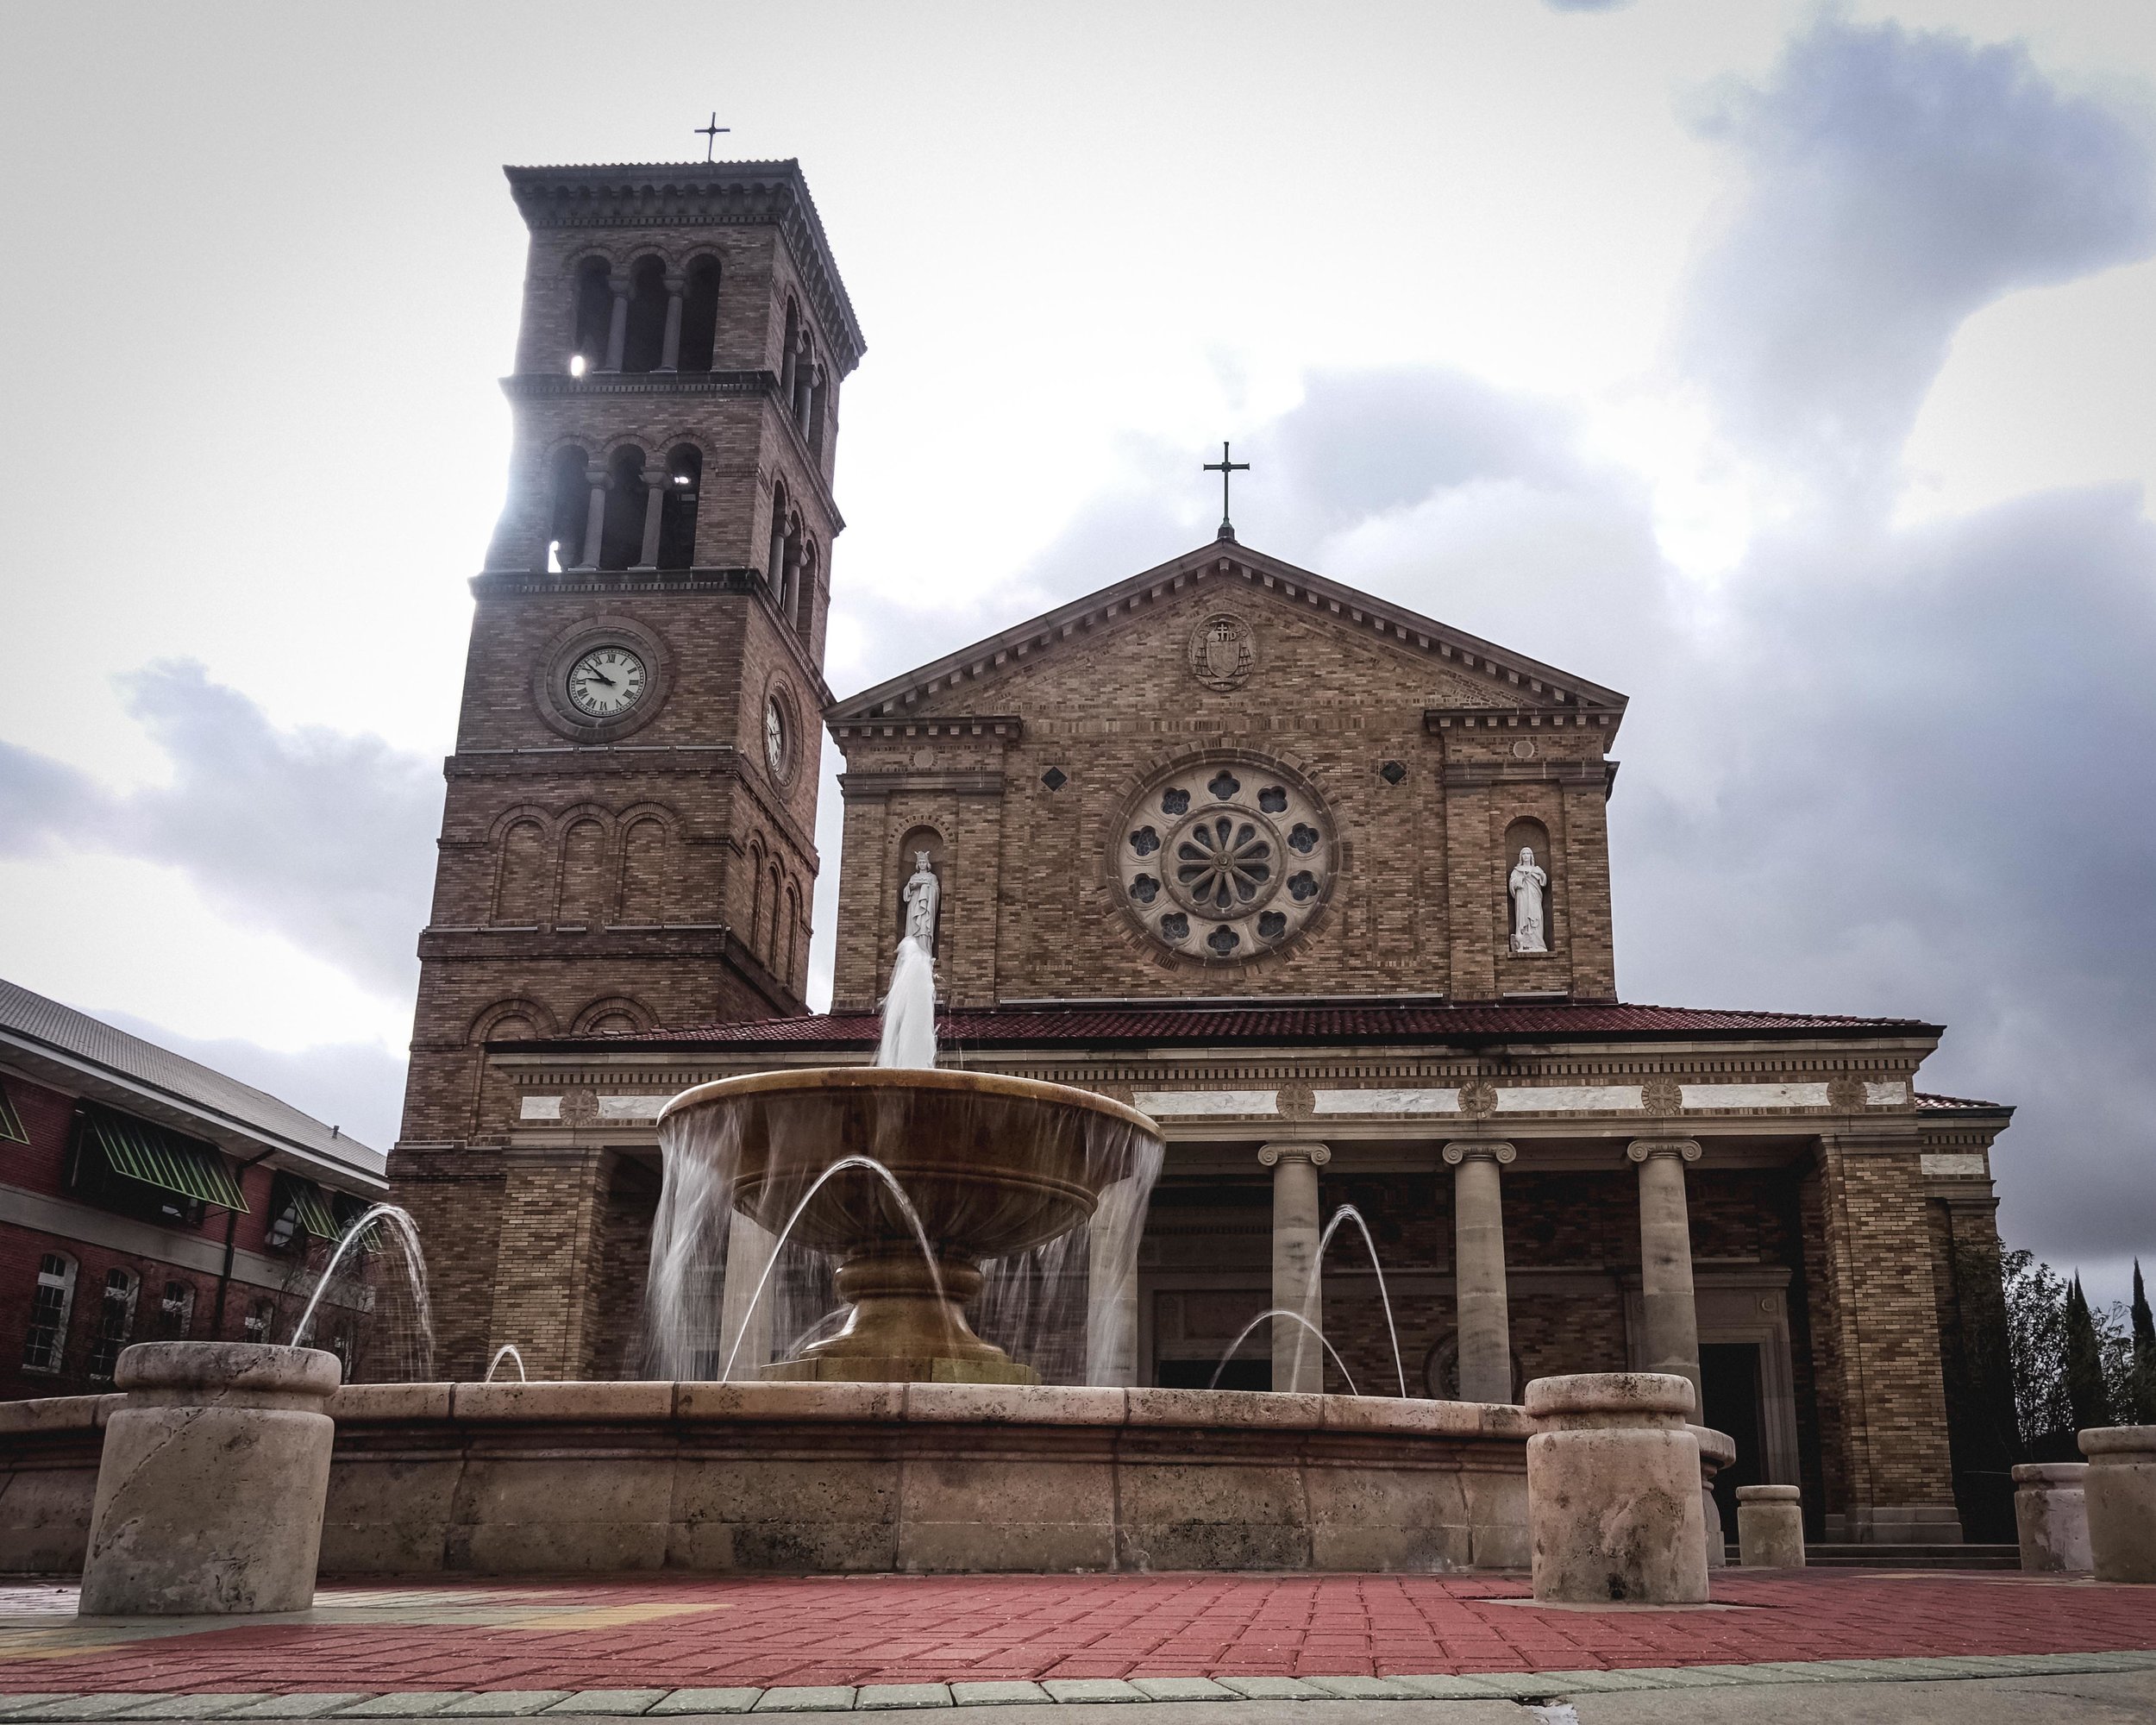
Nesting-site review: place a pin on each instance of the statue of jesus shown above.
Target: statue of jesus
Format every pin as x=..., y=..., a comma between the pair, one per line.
x=1527, y=882
x=921, y=895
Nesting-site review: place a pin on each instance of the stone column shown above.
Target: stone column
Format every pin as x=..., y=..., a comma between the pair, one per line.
x=670, y=351
x=617, y=327
x=1671, y=1338
x=1614, y=1512
x=1717, y=1450
x=1298, y=1355
x=1478, y=1270
x=212, y=1481
x=2050, y=1515
x=2121, y=1488
x=594, y=518
x=654, y=502
x=1770, y=1527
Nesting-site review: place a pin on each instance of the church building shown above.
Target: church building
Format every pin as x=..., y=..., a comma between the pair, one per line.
x=1319, y=883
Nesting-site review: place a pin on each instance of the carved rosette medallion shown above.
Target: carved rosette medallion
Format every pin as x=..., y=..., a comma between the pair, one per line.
x=1223, y=859
x=1478, y=1100
x=1662, y=1095
x=1845, y=1094
x=1223, y=651
x=1297, y=1101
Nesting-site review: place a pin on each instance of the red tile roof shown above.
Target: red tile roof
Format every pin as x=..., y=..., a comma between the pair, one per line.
x=1927, y=1103
x=1265, y=1023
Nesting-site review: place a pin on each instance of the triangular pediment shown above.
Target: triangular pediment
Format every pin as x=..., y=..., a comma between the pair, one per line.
x=1457, y=671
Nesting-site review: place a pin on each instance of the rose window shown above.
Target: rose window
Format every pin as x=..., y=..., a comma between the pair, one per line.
x=1224, y=861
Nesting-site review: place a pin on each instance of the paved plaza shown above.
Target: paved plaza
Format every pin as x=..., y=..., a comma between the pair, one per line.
x=1246, y=1646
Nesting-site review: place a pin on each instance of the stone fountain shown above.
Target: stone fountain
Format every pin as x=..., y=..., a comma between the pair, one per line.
x=909, y=1178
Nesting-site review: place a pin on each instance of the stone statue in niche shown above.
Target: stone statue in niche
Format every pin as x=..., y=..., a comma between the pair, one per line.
x=1527, y=884
x=922, y=895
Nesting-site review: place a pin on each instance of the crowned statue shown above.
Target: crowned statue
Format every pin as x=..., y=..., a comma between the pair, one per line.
x=1527, y=884
x=922, y=895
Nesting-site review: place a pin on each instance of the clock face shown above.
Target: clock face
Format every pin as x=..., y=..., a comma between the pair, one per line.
x=775, y=735
x=605, y=682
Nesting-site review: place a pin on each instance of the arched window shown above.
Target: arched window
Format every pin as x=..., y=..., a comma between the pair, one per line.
x=771, y=933
x=756, y=892
x=570, y=511
x=774, y=563
x=520, y=888
x=793, y=931
x=115, y=1322
x=802, y=609
x=818, y=386
x=790, y=355
x=594, y=311
x=699, y=315
x=45, y=1344
x=175, y=1311
x=260, y=1319
x=677, y=514
x=583, y=901
x=804, y=385
x=647, y=334
x=621, y=542
x=644, y=875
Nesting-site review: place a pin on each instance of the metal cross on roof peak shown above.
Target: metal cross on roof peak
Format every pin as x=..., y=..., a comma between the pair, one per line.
x=710, y=135
x=1223, y=467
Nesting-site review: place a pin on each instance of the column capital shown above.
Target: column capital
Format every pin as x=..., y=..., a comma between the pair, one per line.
x=1315, y=1154
x=1641, y=1148
x=673, y=282
x=1493, y=1151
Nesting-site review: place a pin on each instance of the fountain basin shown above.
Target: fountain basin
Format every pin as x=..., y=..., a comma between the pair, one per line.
x=830, y=1478
x=991, y=1166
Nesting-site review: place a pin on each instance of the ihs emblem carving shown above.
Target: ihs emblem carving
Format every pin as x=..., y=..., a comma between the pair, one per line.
x=1662, y=1095
x=1478, y=1101
x=1223, y=651
x=1297, y=1101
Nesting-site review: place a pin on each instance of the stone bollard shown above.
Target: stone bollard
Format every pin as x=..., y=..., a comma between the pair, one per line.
x=1717, y=1450
x=1613, y=1491
x=2122, y=1497
x=1770, y=1527
x=2051, y=1513
x=211, y=1484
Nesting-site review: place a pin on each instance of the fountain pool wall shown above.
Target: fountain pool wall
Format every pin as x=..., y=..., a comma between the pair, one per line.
x=539, y=1479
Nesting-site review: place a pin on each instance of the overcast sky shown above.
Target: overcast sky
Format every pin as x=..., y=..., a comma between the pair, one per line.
x=1787, y=367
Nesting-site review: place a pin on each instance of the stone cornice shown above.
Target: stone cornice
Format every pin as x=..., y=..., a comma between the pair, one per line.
x=1226, y=571
x=857, y=786
x=1002, y=727
x=700, y=195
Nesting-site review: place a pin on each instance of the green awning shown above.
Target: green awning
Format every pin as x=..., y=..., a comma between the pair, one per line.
x=313, y=1207
x=163, y=1159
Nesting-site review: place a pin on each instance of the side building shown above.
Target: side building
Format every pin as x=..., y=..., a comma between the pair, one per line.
x=146, y=1197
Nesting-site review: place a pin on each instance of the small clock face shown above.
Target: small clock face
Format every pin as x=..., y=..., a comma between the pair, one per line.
x=775, y=735
x=605, y=682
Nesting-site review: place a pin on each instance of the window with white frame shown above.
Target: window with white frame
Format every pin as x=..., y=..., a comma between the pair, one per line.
x=46, y=1343
x=115, y=1322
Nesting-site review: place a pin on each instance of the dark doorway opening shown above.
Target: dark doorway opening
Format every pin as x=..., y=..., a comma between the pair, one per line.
x=1729, y=1387
x=1197, y=1374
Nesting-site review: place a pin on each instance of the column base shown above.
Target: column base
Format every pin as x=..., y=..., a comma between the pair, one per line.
x=1896, y=1524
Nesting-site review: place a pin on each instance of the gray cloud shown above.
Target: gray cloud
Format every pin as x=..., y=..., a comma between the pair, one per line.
x=325, y=838
x=1895, y=181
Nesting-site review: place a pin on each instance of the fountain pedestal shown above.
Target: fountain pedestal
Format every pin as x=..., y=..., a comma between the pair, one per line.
x=212, y=1481
x=906, y=1326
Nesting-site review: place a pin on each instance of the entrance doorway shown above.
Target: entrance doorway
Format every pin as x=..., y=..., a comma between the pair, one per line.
x=1729, y=1393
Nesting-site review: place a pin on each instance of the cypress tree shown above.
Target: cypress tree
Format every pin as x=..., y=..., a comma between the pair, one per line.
x=2084, y=1364
x=2143, y=1412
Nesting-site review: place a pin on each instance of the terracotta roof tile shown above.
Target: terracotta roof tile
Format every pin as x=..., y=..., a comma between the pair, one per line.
x=1169, y=1021
x=1927, y=1103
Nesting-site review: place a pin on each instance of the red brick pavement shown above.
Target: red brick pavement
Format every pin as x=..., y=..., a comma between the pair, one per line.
x=706, y=1632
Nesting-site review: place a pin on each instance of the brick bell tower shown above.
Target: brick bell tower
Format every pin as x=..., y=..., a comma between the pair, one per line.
x=629, y=836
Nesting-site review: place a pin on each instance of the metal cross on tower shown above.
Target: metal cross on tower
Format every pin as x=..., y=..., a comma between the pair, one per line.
x=1223, y=467
x=710, y=135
